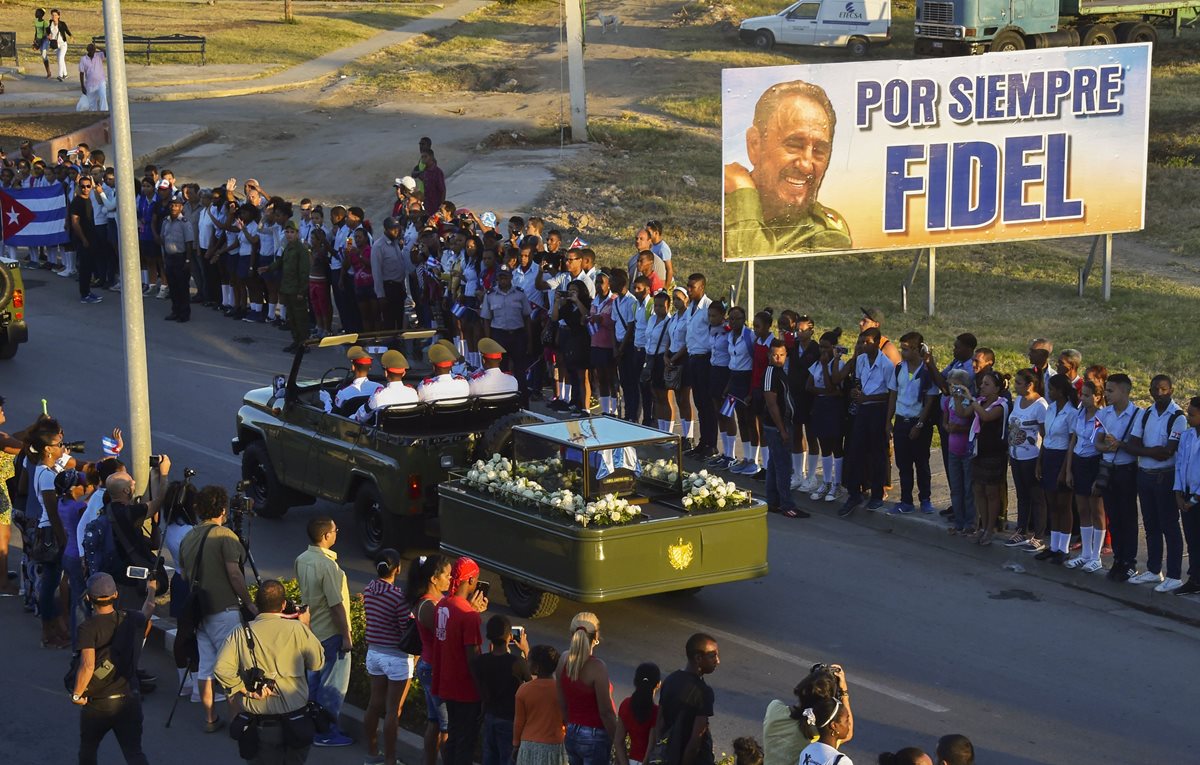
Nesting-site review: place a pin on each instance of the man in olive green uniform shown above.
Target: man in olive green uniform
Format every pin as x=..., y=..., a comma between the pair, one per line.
x=293, y=283
x=773, y=209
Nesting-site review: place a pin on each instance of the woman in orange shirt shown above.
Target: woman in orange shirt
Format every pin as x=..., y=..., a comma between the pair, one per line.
x=538, y=729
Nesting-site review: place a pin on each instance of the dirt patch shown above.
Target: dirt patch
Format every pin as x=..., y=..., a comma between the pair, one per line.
x=41, y=127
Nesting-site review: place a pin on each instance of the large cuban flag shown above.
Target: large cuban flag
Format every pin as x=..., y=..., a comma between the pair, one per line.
x=33, y=217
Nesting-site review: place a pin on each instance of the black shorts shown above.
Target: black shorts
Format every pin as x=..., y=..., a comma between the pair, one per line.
x=718, y=378
x=739, y=385
x=827, y=418
x=657, y=364
x=601, y=357
x=1084, y=471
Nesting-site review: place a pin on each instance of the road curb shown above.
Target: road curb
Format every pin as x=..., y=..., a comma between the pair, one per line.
x=194, y=137
x=931, y=530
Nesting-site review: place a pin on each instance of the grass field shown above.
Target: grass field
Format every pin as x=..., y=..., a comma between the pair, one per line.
x=14, y=130
x=237, y=32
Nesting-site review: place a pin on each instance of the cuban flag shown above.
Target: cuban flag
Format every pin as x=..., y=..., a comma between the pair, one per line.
x=109, y=447
x=729, y=407
x=33, y=217
x=459, y=310
x=576, y=243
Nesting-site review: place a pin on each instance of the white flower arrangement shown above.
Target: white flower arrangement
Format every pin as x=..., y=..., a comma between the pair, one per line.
x=663, y=470
x=704, y=490
x=496, y=476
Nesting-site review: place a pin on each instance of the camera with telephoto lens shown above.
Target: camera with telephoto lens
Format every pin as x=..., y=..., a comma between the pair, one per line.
x=75, y=447
x=256, y=681
x=155, y=460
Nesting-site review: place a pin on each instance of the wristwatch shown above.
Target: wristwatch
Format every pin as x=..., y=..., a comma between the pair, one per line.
x=76, y=697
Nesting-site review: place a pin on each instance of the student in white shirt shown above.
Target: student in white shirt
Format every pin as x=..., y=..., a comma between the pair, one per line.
x=658, y=339
x=1120, y=493
x=677, y=356
x=830, y=722
x=1061, y=410
x=867, y=448
x=828, y=414
x=1187, y=494
x=643, y=309
x=1083, y=463
x=1026, y=425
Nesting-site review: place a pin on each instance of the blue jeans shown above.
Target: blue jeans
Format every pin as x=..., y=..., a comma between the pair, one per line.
x=958, y=471
x=74, y=569
x=779, y=470
x=328, y=687
x=588, y=746
x=497, y=740
x=435, y=708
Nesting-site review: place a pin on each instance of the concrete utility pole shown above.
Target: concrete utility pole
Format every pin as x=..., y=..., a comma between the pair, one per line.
x=575, y=74
x=138, y=388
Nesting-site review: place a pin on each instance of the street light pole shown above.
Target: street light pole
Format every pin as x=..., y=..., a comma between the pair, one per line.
x=575, y=74
x=138, y=435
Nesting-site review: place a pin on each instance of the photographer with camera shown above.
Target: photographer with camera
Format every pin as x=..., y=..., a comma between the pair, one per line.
x=128, y=513
x=265, y=666
x=211, y=557
x=105, y=685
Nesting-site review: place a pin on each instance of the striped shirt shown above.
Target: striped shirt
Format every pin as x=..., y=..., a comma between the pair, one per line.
x=387, y=613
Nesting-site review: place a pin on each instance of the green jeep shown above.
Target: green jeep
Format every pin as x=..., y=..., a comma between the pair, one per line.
x=13, y=330
x=294, y=451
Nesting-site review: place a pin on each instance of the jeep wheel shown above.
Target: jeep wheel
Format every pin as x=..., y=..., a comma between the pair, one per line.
x=377, y=527
x=498, y=438
x=526, y=601
x=269, y=496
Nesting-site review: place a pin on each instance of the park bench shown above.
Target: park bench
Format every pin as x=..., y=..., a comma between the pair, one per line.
x=8, y=47
x=136, y=45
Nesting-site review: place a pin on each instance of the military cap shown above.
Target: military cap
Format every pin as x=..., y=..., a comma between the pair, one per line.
x=490, y=349
x=439, y=356
x=394, y=361
x=357, y=355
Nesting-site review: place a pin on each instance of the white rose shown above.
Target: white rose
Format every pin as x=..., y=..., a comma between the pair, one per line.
x=615, y=515
x=687, y=501
x=702, y=493
x=720, y=503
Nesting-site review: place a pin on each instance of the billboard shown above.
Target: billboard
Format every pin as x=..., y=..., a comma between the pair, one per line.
x=883, y=155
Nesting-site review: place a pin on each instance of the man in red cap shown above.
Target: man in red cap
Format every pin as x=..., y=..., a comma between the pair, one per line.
x=458, y=640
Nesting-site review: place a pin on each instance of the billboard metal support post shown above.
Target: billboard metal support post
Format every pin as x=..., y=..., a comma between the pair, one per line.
x=750, y=288
x=932, y=276
x=1107, y=267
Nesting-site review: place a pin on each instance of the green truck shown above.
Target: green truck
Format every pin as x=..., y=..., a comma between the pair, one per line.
x=592, y=509
x=967, y=27
x=13, y=330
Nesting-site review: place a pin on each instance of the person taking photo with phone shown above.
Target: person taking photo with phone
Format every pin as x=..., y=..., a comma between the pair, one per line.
x=458, y=641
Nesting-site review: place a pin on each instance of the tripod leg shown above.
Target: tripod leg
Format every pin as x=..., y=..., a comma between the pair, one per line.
x=187, y=673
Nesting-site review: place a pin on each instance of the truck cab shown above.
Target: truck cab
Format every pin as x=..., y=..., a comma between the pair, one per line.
x=968, y=27
x=852, y=24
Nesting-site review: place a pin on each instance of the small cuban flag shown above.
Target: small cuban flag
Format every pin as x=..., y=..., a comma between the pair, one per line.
x=109, y=447
x=729, y=407
x=432, y=262
x=576, y=243
x=459, y=310
x=535, y=311
x=593, y=327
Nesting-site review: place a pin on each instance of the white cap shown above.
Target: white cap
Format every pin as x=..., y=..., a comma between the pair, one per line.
x=407, y=182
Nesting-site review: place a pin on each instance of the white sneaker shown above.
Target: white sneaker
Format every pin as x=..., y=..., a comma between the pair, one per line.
x=163, y=292
x=147, y=290
x=833, y=493
x=115, y=288
x=814, y=483
x=1076, y=562
x=820, y=491
x=1092, y=566
x=798, y=481
x=67, y=273
x=1169, y=585
x=1147, y=577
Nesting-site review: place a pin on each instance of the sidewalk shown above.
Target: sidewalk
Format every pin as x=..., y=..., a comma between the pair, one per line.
x=238, y=80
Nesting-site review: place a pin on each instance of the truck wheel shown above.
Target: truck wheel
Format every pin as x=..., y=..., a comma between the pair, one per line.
x=764, y=40
x=1097, y=34
x=270, y=497
x=528, y=602
x=1136, y=32
x=6, y=287
x=1006, y=41
x=498, y=438
x=375, y=525
x=858, y=46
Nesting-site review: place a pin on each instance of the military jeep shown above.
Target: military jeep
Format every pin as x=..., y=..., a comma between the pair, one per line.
x=294, y=451
x=13, y=330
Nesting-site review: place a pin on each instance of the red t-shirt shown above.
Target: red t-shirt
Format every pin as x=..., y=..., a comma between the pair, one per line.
x=457, y=627
x=639, y=732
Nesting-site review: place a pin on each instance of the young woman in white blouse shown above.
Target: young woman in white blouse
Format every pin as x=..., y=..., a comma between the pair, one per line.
x=1026, y=424
x=828, y=415
x=677, y=357
x=1083, y=464
x=1052, y=465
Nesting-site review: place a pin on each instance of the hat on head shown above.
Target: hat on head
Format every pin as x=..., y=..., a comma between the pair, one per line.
x=439, y=356
x=390, y=222
x=357, y=355
x=101, y=586
x=450, y=346
x=407, y=183
x=461, y=570
x=490, y=349
x=874, y=314
x=291, y=226
x=503, y=269
x=68, y=479
x=488, y=219
x=177, y=198
x=393, y=361
x=164, y=184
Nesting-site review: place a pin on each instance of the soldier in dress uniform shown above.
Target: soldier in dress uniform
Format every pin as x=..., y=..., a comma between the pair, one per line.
x=396, y=392
x=444, y=384
x=460, y=367
x=360, y=385
x=492, y=379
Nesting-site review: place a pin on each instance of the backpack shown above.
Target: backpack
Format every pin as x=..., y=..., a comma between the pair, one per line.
x=99, y=544
x=1170, y=422
x=123, y=653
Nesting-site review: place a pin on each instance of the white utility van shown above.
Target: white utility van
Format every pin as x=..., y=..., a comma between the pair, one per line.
x=855, y=24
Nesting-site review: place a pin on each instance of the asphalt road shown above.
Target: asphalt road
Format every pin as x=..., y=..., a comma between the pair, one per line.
x=934, y=641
